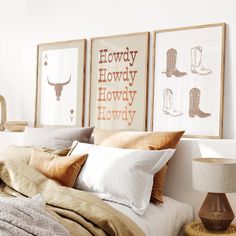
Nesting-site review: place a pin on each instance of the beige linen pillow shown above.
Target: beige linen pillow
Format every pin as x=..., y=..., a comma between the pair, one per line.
x=145, y=141
x=23, y=153
x=17, y=153
x=59, y=168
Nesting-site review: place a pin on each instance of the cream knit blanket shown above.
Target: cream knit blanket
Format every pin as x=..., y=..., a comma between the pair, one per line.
x=24, y=216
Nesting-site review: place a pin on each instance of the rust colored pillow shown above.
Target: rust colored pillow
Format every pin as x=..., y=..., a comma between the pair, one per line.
x=59, y=168
x=142, y=140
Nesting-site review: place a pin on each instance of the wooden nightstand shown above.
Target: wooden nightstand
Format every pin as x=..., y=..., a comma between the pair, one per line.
x=196, y=228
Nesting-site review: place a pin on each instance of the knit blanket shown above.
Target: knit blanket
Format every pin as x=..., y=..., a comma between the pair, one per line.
x=24, y=216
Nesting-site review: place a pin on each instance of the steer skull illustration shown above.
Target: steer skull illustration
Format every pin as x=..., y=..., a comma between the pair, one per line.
x=58, y=87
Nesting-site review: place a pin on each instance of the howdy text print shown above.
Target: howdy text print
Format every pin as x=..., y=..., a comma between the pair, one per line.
x=116, y=92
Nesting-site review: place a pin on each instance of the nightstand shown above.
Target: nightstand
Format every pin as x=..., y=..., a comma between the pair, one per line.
x=196, y=228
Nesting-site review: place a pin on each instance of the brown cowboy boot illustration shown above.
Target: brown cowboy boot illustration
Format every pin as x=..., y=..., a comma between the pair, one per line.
x=196, y=62
x=171, y=57
x=168, y=107
x=194, y=101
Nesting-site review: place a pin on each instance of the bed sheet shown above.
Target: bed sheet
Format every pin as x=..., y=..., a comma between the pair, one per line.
x=160, y=219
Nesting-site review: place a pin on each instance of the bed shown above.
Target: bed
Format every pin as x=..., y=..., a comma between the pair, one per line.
x=80, y=212
x=167, y=219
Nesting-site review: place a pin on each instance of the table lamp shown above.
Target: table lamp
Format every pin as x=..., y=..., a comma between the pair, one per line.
x=216, y=176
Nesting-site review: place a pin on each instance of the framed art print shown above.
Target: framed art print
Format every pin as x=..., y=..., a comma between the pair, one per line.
x=60, y=84
x=188, y=80
x=118, y=89
x=3, y=112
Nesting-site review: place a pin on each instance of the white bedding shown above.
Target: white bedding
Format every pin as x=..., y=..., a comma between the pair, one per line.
x=160, y=220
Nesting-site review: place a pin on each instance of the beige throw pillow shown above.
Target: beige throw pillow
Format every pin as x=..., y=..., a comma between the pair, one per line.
x=23, y=153
x=145, y=141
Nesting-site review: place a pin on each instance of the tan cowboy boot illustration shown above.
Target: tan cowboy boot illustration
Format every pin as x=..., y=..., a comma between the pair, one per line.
x=194, y=101
x=171, y=57
x=168, y=107
x=196, y=62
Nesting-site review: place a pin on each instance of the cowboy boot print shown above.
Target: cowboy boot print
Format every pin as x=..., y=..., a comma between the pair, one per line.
x=196, y=62
x=171, y=58
x=168, y=107
x=194, y=102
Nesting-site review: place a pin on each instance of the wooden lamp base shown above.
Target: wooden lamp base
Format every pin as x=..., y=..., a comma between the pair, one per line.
x=216, y=213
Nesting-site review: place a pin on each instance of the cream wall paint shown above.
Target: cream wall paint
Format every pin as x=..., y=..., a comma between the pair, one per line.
x=26, y=23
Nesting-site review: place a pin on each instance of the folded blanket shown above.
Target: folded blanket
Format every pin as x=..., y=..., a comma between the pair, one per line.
x=25, y=216
x=15, y=126
x=80, y=212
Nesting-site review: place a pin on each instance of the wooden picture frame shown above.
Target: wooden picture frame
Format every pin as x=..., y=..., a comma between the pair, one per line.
x=118, y=81
x=60, y=84
x=188, y=73
x=3, y=112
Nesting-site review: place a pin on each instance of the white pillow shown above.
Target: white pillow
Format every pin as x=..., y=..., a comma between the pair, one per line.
x=120, y=175
x=56, y=138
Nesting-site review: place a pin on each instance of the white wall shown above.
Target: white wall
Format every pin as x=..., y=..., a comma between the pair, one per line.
x=26, y=23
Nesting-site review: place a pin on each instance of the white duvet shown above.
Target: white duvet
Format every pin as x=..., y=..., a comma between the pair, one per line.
x=162, y=219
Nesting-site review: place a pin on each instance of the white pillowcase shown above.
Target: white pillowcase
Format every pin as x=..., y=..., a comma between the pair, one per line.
x=120, y=175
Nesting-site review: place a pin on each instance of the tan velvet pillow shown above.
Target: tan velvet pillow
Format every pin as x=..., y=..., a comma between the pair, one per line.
x=142, y=140
x=59, y=168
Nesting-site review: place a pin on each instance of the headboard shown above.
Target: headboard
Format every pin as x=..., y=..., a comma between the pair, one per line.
x=179, y=176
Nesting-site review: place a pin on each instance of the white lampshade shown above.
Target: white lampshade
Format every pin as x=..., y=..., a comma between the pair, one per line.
x=215, y=175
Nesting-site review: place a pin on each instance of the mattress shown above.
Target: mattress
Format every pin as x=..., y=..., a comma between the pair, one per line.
x=160, y=219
